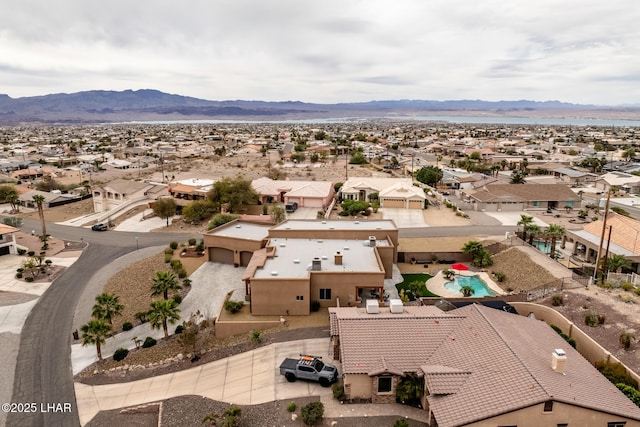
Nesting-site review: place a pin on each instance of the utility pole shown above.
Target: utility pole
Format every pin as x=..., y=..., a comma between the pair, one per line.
x=604, y=228
x=346, y=165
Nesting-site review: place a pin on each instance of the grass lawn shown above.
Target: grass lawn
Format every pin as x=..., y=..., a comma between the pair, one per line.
x=417, y=277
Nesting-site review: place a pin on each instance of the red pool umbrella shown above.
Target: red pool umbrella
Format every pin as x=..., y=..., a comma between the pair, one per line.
x=459, y=266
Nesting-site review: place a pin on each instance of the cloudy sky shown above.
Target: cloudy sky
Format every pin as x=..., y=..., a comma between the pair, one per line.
x=581, y=51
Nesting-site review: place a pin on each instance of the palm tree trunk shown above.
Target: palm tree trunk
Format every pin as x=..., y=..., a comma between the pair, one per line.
x=99, y=350
x=44, y=223
x=553, y=248
x=164, y=326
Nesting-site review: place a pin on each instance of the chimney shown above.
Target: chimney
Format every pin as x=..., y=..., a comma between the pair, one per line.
x=558, y=360
x=316, y=264
x=372, y=241
x=338, y=258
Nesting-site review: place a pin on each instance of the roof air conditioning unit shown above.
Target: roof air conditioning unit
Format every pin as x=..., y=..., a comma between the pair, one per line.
x=395, y=305
x=372, y=306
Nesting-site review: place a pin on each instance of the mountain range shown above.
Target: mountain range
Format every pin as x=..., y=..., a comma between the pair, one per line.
x=99, y=106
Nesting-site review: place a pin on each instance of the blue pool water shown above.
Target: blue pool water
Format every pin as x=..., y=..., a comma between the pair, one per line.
x=480, y=288
x=545, y=247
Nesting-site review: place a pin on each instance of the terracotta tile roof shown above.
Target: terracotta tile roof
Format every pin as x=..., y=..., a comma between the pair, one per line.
x=444, y=379
x=7, y=229
x=625, y=231
x=525, y=192
x=383, y=367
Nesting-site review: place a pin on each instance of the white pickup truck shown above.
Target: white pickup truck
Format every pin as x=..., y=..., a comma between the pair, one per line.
x=309, y=368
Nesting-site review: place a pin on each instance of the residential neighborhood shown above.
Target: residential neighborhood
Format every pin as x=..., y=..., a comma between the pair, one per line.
x=434, y=264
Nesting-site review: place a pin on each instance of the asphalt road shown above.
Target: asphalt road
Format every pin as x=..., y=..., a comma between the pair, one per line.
x=470, y=230
x=43, y=370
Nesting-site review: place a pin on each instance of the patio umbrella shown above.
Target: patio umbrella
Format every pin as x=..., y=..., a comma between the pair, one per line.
x=459, y=266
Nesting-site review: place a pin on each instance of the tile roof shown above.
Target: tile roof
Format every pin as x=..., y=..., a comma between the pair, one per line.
x=478, y=362
x=625, y=231
x=525, y=192
x=269, y=187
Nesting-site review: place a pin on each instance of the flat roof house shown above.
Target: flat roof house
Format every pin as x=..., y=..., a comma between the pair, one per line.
x=478, y=366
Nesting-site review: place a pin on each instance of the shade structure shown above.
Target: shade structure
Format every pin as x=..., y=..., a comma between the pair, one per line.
x=459, y=266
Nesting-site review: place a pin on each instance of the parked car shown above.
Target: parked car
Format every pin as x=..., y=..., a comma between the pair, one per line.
x=99, y=227
x=310, y=368
x=291, y=207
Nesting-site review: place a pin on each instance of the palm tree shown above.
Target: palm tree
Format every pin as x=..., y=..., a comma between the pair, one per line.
x=107, y=306
x=533, y=230
x=163, y=312
x=164, y=282
x=39, y=200
x=554, y=232
x=12, y=198
x=96, y=332
x=410, y=389
x=525, y=221
x=467, y=290
x=617, y=262
x=473, y=248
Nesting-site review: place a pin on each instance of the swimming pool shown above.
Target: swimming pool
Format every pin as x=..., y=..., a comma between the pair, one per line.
x=545, y=247
x=481, y=289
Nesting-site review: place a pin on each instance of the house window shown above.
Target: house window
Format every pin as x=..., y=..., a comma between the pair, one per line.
x=535, y=203
x=299, y=297
x=548, y=406
x=563, y=425
x=325, y=293
x=617, y=424
x=384, y=384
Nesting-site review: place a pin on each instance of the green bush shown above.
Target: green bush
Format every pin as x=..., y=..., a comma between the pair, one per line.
x=173, y=245
x=591, y=319
x=168, y=251
x=148, y=342
x=630, y=392
x=291, y=407
x=233, y=306
x=557, y=300
x=220, y=219
x=177, y=299
x=31, y=253
x=13, y=221
x=28, y=279
x=312, y=413
x=637, y=291
x=21, y=251
x=500, y=276
x=179, y=329
x=626, y=286
x=401, y=422
x=127, y=326
x=315, y=306
x=120, y=354
x=256, y=335
x=176, y=264
x=233, y=411
x=338, y=391
x=18, y=275
x=182, y=273
x=167, y=258
x=616, y=373
x=566, y=337
x=192, y=241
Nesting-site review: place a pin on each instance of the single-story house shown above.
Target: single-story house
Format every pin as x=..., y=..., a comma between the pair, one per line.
x=119, y=192
x=623, y=181
x=51, y=199
x=519, y=197
x=191, y=189
x=574, y=177
x=392, y=192
x=475, y=366
x=309, y=194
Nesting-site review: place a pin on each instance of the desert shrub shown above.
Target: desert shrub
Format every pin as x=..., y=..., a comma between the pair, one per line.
x=591, y=319
x=233, y=411
x=13, y=221
x=291, y=407
x=179, y=329
x=21, y=251
x=566, y=337
x=627, y=286
x=630, y=392
x=120, y=354
x=500, y=276
x=192, y=241
x=28, y=279
x=315, y=306
x=141, y=316
x=401, y=422
x=127, y=326
x=557, y=300
x=616, y=373
x=312, y=413
x=167, y=258
x=233, y=306
x=177, y=299
x=176, y=264
x=601, y=318
x=148, y=342
x=626, y=339
x=220, y=219
x=637, y=291
x=555, y=328
x=173, y=245
x=31, y=253
x=18, y=275
x=338, y=391
x=168, y=251
x=20, y=270
x=256, y=335
x=182, y=273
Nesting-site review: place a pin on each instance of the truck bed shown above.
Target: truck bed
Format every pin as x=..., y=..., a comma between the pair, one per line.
x=289, y=364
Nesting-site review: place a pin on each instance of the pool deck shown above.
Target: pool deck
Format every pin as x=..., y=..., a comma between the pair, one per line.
x=436, y=283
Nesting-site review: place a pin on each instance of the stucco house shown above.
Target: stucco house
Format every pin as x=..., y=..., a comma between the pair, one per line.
x=310, y=194
x=519, y=197
x=478, y=366
x=623, y=181
x=8, y=240
x=122, y=192
x=392, y=192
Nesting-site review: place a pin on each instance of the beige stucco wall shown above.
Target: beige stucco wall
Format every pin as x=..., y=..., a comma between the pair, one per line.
x=234, y=244
x=535, y=416
x=276, y=297
x=357, y=386
x=342, y=285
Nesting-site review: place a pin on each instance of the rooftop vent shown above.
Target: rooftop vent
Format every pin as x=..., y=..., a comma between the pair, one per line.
x=316, y=264
x=282, y=245
x=324, y=257
x=338, y=258
x=274, y=273
x=324, y=222
x=356, y=222
x=395, y=305
x=372, y=241
x=296, y=261
x=558, y=360
x=346, y=248
x=238, y=226
x=372, y=306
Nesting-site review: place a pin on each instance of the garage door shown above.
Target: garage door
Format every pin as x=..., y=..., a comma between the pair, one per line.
x=312, y=203
x=244, y=258
x=221, y=255
x=5, y=250
x=416, y=204
x=393, y=203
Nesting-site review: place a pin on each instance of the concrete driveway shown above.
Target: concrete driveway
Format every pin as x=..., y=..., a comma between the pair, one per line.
x=304, y=213
x=245, y=379
x=512, y=218
x=404, y=218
